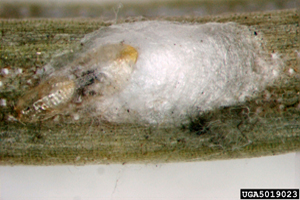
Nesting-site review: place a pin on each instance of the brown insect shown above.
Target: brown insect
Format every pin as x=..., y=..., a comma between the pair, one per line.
x=46, y=99
x=103, y=70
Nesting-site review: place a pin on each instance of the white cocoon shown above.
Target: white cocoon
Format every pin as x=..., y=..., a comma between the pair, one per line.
x=181, y=70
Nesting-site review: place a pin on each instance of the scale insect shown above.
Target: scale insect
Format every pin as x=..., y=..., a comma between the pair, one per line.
x=153, y=72
x=84, y=77
x=46, y=99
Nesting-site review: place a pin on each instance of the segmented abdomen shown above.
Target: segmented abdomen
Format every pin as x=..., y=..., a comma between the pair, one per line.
x=46, y=99
x=101, y=71
x=61, y=93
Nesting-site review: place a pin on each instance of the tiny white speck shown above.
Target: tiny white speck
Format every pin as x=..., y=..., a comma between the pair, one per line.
x=291, y=71
x=275, y=56
x=19, y=71
x=1, y=84
x=5, y=71
x=3, y=102
x=76, y=116
x=29, y=82
x=275, y=73
x=38, y=53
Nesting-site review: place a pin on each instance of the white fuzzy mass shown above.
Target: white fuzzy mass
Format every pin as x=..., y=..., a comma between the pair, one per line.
x=180, y=71
x=183, y=69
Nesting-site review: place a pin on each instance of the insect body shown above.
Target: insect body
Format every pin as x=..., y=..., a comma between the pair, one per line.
x=62, y=92
x=101, y=71
x=45, y=99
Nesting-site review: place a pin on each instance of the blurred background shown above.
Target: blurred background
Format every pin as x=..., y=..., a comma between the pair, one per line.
x=109, y=9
